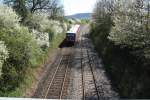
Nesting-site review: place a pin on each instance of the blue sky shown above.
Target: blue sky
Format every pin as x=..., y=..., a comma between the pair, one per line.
x=78, y=6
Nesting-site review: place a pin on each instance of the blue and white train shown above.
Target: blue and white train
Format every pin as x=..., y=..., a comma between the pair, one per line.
x=71, y=35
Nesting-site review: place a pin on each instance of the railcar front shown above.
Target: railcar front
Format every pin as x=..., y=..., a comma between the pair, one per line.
x=70, y=38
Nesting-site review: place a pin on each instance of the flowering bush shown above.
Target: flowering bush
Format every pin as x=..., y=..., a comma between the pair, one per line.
x=65, y=26
x=135, y=37
x=38, y=22
x=56, y=27
x=42, y=38
x=8, y=17
x=43, y=29
x=23, y=53
x=22, y=47
x=3, y=54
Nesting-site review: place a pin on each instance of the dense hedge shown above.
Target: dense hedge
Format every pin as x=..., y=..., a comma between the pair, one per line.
x=122, y=41
x=23, y=52
x=3, y=54
x=25, y=45
x=129, y=74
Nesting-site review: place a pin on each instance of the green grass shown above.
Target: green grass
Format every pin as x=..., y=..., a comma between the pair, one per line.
x=30, y=78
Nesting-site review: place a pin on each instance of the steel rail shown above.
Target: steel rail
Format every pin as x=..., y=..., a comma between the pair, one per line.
x=94, y=79
x=64, y=80
x=53, y=78
x=82, y=71
x=91, y=69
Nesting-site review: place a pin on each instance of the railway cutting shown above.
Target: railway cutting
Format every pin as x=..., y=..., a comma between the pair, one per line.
x=78, y=73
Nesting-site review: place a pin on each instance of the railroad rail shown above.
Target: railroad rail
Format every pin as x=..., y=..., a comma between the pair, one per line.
x=87, y=74
x=82, y=72
x=56, y=86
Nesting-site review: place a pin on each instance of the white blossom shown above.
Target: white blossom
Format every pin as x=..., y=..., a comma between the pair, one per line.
x=42, y=38
x=8, y=17
x=3, y=54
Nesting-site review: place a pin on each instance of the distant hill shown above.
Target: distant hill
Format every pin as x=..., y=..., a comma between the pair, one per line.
x=80, y=16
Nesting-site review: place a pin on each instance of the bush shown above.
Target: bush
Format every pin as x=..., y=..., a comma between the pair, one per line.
x=135, y=37
x=44, y=29
x=42, y=38
x=22, y=47
x=26, y=45
x=8, y=18
x=56, y=27
x=39, y=22
x=23, y=52
x=3, y=54
x=121, y=36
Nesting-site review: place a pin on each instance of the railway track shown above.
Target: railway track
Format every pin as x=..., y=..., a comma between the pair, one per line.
x=89, y=86
x=85, y=78
x=57, y=86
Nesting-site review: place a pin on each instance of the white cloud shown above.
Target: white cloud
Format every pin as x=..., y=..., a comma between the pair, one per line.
x=78, y=6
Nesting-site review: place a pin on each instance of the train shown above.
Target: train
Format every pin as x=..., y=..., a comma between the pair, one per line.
x=71, y=35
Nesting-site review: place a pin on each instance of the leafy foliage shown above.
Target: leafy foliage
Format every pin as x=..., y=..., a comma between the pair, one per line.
x=3, y=54
x=23, y=51
x=136, y=36
x=24, y=42
x=40, y=22
x=25, y=7
x=44, y=29
x=120, y=33
x=8, y=18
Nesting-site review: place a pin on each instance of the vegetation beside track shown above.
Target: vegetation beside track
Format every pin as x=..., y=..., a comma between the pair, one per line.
x=26, y=39
x=30, y=76
x=120, y=32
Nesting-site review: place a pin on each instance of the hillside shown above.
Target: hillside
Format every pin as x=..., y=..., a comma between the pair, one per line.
x=80, y=16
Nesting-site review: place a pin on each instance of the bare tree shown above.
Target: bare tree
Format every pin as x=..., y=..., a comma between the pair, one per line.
x=25, y=6
x=35, y=5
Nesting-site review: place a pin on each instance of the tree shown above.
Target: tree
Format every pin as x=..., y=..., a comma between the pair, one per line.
x=135, y=37
x=23, y=7
x=19, y=6
x=125, y=48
